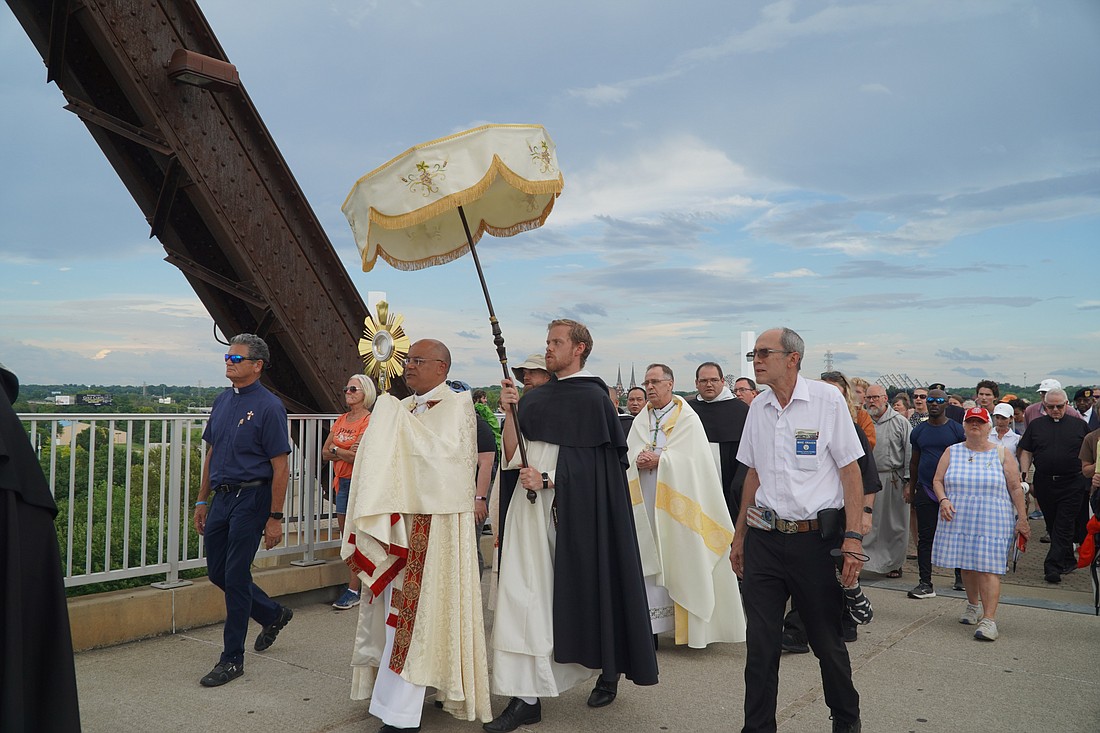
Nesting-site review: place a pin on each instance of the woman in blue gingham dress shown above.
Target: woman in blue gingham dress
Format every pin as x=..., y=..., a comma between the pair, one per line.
x=981, y=510
x=978, y=537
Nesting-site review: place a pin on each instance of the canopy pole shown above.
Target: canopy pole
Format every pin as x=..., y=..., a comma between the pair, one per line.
x=498, y=339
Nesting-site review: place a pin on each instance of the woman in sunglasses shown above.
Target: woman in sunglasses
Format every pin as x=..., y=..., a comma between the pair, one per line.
x=340, y=448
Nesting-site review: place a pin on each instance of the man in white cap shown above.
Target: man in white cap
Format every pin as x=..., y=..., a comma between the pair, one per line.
x=1038, y=409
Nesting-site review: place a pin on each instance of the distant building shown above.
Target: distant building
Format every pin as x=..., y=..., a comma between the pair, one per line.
x=64, y=399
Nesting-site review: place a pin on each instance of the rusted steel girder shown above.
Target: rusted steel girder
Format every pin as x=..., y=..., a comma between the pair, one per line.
x=211, y=182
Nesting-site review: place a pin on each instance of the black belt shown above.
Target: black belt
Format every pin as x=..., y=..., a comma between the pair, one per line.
x=238, y=487
x=1063, y=476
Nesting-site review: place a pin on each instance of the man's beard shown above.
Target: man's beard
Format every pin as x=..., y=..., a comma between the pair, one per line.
x=876, y=411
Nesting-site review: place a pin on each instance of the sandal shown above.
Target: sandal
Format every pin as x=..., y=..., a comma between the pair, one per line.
x=894, y=573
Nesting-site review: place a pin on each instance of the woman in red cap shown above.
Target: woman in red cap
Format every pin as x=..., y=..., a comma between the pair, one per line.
x=981, y=499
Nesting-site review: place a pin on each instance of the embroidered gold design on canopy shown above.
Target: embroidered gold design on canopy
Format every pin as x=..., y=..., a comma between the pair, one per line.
x=384, y=345
x=504, y=178
x=415, y=210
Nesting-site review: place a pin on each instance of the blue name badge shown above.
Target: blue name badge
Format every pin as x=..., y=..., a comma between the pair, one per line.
x=805, y=442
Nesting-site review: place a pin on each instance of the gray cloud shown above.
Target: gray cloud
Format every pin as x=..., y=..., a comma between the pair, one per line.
x=1077, y=373
x=958, y=354
x=468, y=335
x=698, y=357
x=975, y=372
x=844, y=356
x=861, y=269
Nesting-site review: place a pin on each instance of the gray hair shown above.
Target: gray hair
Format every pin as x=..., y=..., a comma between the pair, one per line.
x=1054, y=392
x=257, y=347
x=370, y=391
x=792, y=342
x=664, y=368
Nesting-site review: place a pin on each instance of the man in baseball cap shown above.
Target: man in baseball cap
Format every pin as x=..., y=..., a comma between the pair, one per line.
x=1083, y=400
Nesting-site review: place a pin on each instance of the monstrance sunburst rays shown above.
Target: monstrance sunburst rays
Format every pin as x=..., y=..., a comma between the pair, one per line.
x=384, y=345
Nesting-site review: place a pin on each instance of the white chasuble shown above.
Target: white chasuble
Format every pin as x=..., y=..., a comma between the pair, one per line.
x=684, y=537
x=410, y=525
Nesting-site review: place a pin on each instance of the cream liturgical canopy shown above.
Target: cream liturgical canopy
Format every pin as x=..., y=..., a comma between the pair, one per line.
x=505, y=178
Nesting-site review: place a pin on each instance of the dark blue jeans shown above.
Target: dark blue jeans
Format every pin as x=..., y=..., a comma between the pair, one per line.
x=234, y=527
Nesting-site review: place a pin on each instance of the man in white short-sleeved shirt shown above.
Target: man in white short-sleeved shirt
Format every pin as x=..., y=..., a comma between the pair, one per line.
x=801, y=448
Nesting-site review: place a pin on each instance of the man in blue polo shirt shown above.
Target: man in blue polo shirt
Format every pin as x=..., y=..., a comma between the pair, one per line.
x=929, y=440
x=244, y=480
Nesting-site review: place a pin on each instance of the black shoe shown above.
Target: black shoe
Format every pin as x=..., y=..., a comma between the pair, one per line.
x=1045, y=539
x=223, y=672
x=1052, y=578
x=387, y=728
x=793, y=645
x=850, y=633
x=516, y=714
x=603, y=694
x=958, y=582
x=854, y=727
x=267, y=636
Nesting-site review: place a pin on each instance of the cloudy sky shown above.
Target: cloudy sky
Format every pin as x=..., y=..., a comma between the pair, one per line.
x=914, y=187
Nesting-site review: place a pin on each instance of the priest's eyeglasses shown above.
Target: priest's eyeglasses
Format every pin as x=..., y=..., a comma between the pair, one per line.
x=710, y=380
x=418, y=361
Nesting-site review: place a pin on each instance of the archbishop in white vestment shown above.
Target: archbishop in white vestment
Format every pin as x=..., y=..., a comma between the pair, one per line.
x=410, y=536
x=684, y=529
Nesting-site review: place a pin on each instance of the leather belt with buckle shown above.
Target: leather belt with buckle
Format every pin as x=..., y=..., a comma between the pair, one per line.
x=237, y=487
x=790, y=526
x=1063, y=476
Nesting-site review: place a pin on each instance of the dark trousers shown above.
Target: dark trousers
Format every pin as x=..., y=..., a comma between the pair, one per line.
x=928, y=518
x=798, y=566
x=1064, y=504
x=233, y=530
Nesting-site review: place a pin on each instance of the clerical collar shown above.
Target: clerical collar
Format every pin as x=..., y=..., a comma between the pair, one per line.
x=724, y=395
x=581, y=373
x=247, y=388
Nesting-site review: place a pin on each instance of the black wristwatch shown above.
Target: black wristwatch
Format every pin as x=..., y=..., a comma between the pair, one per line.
x=545, y=480
x=276, y=515
x=853, y=536
x=868, y=510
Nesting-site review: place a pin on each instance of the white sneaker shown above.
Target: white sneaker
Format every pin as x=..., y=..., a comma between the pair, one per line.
x=972, y=615
x=987, y=630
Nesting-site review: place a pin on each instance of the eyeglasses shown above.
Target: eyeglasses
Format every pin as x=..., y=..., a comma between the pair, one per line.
x=937, y=400
x=763, y=353
x=876, y=396
x=237, y=358
x=739, y=390
x=351, y=390
x=1055, y=407
x=920, y=396
x=418, y=361
x=654, y=382
x=711, y=380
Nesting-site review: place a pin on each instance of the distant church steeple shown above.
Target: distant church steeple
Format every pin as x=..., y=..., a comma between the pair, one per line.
x=633, y=381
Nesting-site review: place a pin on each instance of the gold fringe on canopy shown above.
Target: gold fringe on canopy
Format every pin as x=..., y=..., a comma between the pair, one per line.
x=505, y=178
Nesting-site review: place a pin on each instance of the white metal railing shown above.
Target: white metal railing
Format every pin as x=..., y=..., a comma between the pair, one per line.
x=125, y=485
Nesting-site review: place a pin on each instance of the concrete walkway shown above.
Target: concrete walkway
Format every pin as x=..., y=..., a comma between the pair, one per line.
x=917, y=669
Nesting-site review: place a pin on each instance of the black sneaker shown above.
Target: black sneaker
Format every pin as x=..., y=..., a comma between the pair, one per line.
x=267, y=636
x=223, y=672
x=923, y=590
x=793, y=645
